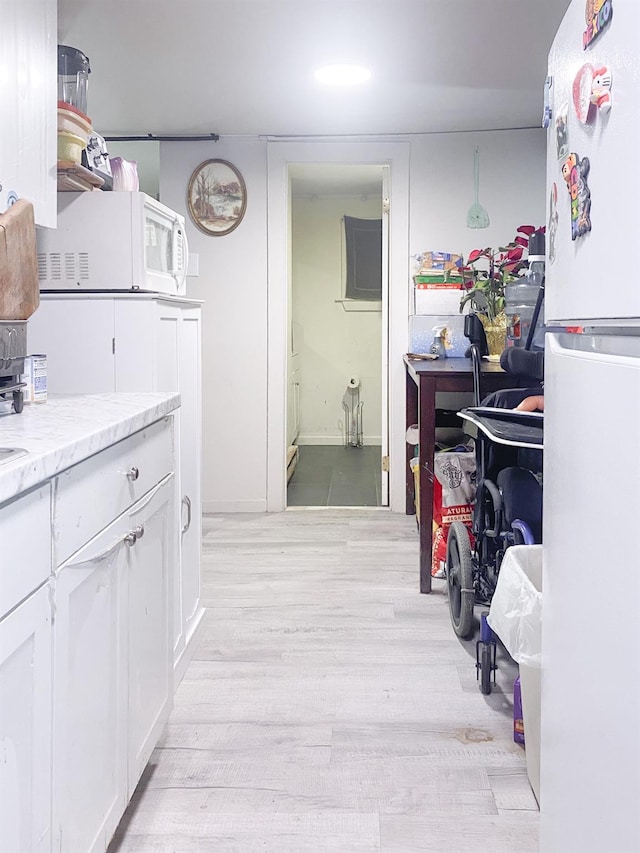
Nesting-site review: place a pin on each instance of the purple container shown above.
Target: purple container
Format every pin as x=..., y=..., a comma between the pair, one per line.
x=518, y=722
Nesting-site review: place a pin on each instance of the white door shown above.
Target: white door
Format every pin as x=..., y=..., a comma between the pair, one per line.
x=151, y=558
x=190, y=465
x=590, y=739
x=25, y=726
x=78, y=337
x=89, y=770
x=584, y=281
x=384, y=367
x=27, y=106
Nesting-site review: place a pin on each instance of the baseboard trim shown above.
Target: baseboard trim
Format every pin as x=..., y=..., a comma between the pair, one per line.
x=212, y=507
x=335, y=440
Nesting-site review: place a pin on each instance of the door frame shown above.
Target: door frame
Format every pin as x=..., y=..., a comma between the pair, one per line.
x=280, y=154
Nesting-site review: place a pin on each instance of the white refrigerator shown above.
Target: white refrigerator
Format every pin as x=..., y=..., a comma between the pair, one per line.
x=590, y=715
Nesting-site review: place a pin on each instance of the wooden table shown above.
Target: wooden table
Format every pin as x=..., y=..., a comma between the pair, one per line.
x=424, y=380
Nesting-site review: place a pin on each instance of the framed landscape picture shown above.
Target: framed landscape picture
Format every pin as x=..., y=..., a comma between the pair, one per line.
x=216, y=197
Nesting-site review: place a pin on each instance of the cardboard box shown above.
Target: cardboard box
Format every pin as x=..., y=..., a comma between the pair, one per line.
x=436, y=300
x=439, y=261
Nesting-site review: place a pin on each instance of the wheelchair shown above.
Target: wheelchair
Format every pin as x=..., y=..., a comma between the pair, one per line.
x=507, y=511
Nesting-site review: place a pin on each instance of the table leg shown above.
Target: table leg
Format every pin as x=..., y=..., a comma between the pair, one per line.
x=427, y=433
x=411, y=410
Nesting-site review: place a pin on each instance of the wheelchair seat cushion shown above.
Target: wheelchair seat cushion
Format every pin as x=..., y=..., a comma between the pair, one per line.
x=522, y=498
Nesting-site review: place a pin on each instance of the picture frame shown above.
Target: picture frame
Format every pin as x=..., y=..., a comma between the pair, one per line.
x=216, y=197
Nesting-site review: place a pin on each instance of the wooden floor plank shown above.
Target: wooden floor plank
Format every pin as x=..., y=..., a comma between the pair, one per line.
x=330, y=706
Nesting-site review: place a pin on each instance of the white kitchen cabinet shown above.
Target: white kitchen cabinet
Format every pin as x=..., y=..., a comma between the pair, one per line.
x=149, y=664
x=90, y=724
x=25, y=726
x=89, y=531
x=28, y=66
x=112, y=641
x=25, y=673
x=138, y=342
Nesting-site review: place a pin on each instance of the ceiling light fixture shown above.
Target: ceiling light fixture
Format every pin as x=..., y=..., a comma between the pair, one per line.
x=342, y=75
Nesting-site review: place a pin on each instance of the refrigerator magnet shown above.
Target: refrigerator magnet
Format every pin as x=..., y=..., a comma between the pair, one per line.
x=581, y=91
x=592, y=91
x=576, y=173
x=562, y=132
x=597, y=14
x=548, y=102
x=601, y=89
x=552, y=227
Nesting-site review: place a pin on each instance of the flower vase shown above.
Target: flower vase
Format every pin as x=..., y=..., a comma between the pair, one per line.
x=495, y=331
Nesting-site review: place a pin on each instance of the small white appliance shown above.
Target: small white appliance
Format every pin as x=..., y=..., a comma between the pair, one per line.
x=114, y=241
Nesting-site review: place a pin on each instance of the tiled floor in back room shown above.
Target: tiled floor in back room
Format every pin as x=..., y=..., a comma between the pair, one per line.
x=336, y=476
x=329, y=707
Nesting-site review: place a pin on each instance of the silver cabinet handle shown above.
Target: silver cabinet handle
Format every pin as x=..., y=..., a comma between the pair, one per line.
x=133, y=473
x=137, y=533
x=186, y=500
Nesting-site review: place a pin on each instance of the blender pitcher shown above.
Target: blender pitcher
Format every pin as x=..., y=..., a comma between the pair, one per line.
x=73, y=77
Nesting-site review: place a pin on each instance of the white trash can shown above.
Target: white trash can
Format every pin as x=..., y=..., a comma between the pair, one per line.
x=515, y=616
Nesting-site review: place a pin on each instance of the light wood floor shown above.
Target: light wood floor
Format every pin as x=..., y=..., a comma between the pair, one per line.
x=330, y=707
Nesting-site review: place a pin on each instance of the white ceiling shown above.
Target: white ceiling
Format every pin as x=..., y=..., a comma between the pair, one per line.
x=246, y=66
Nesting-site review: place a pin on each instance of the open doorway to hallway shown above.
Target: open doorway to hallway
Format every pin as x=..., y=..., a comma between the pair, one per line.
x=336, y=398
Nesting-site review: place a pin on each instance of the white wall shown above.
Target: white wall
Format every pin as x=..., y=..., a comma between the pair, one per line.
x=333, y=344
x=146, y=156
x=233, y=280
x=512, y=187
x=233, y=285
x=512, y=190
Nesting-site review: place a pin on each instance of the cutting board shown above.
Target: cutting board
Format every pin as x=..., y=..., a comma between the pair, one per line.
x=19, y=292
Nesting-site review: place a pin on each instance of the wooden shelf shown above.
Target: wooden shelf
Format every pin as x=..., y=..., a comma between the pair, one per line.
x=72, y=177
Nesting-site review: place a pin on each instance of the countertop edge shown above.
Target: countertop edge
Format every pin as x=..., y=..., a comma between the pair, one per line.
x=70, y=428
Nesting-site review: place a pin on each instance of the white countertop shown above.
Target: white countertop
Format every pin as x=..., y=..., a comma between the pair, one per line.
x=69, y=428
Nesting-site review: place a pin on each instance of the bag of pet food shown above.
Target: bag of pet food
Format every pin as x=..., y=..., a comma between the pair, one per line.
x=454, y=494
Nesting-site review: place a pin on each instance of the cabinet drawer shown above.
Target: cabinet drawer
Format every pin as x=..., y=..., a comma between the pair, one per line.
x=25, y=534
x=93, y=493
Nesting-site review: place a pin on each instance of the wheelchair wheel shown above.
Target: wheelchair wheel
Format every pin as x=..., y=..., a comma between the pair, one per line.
x=460, y=580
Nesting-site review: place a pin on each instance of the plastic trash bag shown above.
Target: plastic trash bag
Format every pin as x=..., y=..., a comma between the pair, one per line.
x=516, y=607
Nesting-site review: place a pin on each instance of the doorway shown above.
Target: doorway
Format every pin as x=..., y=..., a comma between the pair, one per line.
x=281, y=154
x=337, y=332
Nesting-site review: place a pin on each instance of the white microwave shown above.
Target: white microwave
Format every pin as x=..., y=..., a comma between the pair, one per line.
x=113, y=241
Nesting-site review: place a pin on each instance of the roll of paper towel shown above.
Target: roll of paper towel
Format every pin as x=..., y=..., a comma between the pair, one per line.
x=354, y=382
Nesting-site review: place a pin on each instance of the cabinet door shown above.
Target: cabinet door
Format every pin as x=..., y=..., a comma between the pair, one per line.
x=190, y=467
x=152, y=559
x=25, y=726
x=89, y=765
x=78, y=337
x=167, y=365
x=28, y=106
